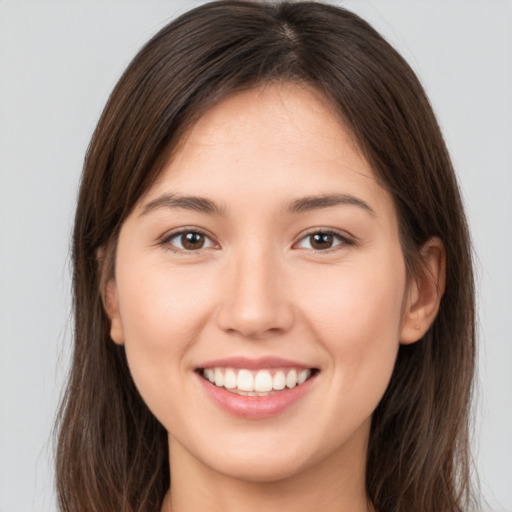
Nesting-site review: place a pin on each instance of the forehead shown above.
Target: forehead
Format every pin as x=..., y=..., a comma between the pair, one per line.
x=267, y=142
x=275, y=115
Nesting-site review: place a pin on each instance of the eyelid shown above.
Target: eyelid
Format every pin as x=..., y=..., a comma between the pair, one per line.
x=165, y=239
x=345, y=240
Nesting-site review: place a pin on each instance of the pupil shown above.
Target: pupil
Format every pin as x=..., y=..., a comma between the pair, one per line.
x=322, y=241
x=192, y=240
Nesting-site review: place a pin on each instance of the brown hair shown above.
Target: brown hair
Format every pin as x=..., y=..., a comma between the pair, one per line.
x=112, y=453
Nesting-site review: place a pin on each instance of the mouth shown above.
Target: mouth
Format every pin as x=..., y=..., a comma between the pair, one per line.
x=257, y=382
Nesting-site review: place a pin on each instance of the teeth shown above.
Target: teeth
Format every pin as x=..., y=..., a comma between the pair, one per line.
x=245, y=381
x=263, y=381
x=219, y=377
x=260, y=383
x=291, y=379
x=279, y=380
x=230, y=379
x=302, y=377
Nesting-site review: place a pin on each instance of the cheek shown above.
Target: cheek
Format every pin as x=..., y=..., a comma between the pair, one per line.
x=162, y=306
x=354, y=299
x=357, y=318
x=162, y=312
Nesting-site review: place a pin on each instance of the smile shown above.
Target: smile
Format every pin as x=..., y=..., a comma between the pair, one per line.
x=256, y=388
x=263, y=382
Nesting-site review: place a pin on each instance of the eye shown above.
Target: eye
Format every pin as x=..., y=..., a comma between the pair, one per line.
x=188, y=241
x=323, y=241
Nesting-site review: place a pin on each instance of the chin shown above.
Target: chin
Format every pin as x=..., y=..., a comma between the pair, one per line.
x=263, y=458
x=261, y=468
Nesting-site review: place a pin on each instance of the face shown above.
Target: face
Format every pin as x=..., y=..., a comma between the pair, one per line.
x=266, y=258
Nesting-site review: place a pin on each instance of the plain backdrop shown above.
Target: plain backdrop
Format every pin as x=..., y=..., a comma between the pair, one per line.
x=58, y=63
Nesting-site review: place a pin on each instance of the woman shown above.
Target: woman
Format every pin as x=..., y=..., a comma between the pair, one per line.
x=273, y=286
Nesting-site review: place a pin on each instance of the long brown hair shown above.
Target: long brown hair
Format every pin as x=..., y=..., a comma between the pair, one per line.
x=112, y=454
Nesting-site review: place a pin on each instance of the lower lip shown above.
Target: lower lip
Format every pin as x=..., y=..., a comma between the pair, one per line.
x=255, y=407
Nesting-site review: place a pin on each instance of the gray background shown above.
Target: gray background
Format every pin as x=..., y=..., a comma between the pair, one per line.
x=58, y=62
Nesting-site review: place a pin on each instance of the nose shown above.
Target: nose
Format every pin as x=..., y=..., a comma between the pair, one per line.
x=255, y=300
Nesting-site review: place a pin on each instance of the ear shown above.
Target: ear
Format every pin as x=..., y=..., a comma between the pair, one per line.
x=111, y=303
x=108, y=288
x=425, y=292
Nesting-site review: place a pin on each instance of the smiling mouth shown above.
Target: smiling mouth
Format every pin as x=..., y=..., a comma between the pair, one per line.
x=256, y=383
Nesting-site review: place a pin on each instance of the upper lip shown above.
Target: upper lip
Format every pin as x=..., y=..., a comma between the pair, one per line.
x=254, y=363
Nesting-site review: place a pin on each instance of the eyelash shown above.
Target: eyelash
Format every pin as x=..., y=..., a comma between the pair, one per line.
x=343, y=240
x=166, y=240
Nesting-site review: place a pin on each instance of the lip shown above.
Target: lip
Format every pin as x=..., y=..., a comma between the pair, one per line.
x=255, y=407
x=253, y=363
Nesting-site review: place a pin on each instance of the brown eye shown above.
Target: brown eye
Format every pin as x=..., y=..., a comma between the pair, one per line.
x=323, y=241
x=188, y=241
x=192, y=241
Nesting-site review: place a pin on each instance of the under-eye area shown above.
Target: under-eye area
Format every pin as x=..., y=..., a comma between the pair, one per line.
x=256, y=383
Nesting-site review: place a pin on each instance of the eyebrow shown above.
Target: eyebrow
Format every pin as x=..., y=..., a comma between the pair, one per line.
x=309, y=203
x=301, y=205
x=193, y=203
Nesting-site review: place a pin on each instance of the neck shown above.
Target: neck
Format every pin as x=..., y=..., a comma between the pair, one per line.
x=336, y=483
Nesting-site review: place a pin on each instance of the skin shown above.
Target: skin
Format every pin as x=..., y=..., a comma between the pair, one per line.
x=258, y=287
